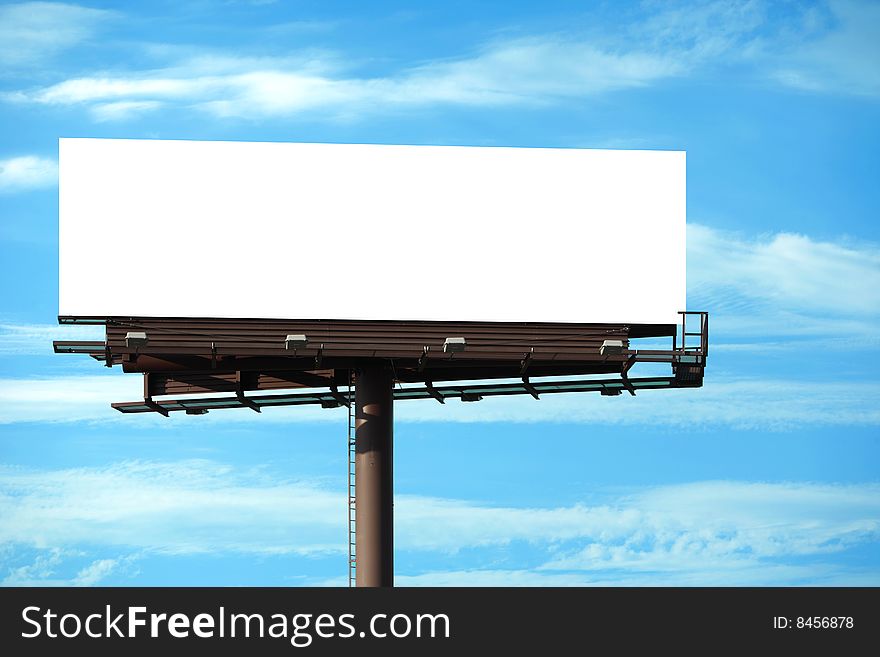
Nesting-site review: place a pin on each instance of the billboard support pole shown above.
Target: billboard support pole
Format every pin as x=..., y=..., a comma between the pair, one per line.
x=374, y=442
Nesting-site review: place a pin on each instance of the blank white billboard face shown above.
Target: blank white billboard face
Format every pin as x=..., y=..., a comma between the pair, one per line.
x=342, y=231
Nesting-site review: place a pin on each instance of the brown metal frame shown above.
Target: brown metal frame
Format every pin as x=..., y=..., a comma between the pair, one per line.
x=204, y=355
x=236, y=361
x=207, y=356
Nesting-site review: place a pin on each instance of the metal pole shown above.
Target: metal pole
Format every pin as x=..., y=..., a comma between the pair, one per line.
x=374, y=523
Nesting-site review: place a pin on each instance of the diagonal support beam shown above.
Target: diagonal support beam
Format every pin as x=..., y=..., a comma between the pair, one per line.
x=436, y=394
x=530, y=388
x=339, y=397
x=423, y=359
x=149, y=403
x=623, y=375
x=525, y=362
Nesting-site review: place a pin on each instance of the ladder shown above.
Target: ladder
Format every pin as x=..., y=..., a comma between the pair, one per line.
x=352, y=500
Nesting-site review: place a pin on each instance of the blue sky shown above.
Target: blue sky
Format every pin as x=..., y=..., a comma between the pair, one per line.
x=769, y=475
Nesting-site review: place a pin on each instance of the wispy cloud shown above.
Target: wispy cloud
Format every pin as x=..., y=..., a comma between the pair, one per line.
x=527, y=70
x=805, y=49
x=84, y=398
x=535, y=69
x=95, y=572
x=40, y=570
x=172, y=508
x=727, y=526
x=27, y=172
x=784, y=284
x=36, y=339
x=662, y=528
x=763, y=574
x=703, y=532
x=43, y=570
x=124, y=109
x=32, y=32
x=840, y=53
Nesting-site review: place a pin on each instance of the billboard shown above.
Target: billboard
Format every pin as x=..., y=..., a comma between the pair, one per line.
x=159, y=228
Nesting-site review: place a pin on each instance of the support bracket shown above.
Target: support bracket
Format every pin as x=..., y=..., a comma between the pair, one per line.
x=623, y=374
x=526, y=361
x=423, y=359
x=434, y=392
x=530, y=388
x=239, y=394
x=149, y=403
x=334, y=392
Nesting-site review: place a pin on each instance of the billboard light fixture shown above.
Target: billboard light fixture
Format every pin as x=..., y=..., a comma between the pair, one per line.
x=454, y=345
x=611, y=348
x=135, y=339
x=298, y=341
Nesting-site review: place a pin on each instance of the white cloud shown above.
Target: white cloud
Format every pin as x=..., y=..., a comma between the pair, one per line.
x=538, y=69
x=829, y=344
x=36, y=339
x=103, y=89
x=698, y=533
x=65, y=398
x=95, y=572
x=124, y=109
x=784, y=284
x=171, y=508
x=40, y=570
x=82, y=398
x=716, y=523
x=840, y=56
x=27, y=172
x=44, y=570
x=763, y=574
x=702, y=32
x=31, y=32
x=730, y=526
x=221, y=86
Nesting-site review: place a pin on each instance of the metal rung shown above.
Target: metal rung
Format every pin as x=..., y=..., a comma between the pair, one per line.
x=352, y=488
